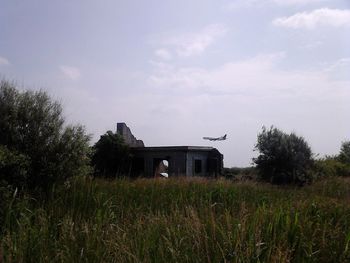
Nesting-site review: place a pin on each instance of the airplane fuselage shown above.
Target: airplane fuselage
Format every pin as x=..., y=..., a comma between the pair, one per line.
x=222, y=138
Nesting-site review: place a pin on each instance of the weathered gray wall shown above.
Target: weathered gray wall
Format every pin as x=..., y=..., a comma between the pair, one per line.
x=176, y=161
x=181, y=161
x=129, y=138
x=191, y=158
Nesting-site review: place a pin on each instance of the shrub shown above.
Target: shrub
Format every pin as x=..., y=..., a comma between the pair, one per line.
x=111, y=156
x=5, y=197
x=284, y=158
x=13, y=167
x=32, y=128
x=330, y=167
x=344, y=155
x=240, y=173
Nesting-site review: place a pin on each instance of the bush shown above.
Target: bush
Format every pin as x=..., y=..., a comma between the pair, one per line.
x=344, y=155
x=284, y=158
x=13, y=167
x=240, y=173
x=5, y=199
x=32, y=132
x=111, y=156
x=330, y=167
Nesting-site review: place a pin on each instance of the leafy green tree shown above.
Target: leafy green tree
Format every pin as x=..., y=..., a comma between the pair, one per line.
x=32, y=127
x=330, y=167
x=344, y=155
x=111, y=156
x=13, y=172
x=284, y=158
x=13, y=167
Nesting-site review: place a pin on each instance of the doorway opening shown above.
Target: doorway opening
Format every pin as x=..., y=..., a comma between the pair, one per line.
x=160, y=167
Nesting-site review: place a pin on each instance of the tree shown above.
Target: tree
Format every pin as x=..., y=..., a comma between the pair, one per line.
x=344, y=155
x=284, y=158
x=111, y=156
x=32, y=128
x=13, y=167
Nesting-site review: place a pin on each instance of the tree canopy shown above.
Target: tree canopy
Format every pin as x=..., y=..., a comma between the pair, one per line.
x=33, y=136
x=111, y=156
x=344, y=155
x=284, y=158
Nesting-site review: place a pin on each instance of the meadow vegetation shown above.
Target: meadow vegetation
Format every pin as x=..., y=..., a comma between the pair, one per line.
x=64, y=201
x=180, y=220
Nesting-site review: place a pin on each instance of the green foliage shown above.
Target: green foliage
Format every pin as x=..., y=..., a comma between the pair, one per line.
x=240, y=173
x=5, y=197
x=13, y=167
x=181, y=221
x=284, y=158
x=331, y=167
x=344, y=155
x=111, y=156
x=32, y=128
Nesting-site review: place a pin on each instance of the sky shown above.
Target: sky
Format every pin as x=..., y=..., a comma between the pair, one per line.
x=176, y=71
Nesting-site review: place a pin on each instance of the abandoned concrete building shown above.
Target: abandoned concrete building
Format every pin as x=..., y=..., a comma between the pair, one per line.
x=181, y=160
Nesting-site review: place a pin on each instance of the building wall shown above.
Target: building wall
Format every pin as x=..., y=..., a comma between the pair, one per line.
x=129, y=138
x=181, y=163
x=182, y=160
x=192, y=157
x=176, y=161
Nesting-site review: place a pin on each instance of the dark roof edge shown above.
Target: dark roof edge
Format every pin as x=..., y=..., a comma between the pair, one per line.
x=171, y=148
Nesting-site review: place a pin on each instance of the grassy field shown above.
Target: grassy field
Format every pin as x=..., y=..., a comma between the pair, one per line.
x=180, y=220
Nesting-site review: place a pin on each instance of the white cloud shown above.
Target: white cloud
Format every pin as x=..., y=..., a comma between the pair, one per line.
x=242, y=76
x=340, y=69
x=340, y=63
x=4, y=61
x=255, y=77
x=192, y=44
x=296, y=2
x=161, y=66
x=239, y=97
x=163, y=54
x=311, y=45
x=70, y=72
x=261, y=3
x=318, y=17
x=245, y=4
x=236, y=98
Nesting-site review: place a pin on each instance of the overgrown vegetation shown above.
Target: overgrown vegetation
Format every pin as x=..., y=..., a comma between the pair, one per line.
x=111, y=156
x=284, y=158
x=52, y=211
x=344, y=155
x=240, y=173
x=181, y=221
x=333, y=166
x=330, y=167
x=36, y=149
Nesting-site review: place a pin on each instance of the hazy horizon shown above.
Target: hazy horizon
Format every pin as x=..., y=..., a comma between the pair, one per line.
x=176, y=71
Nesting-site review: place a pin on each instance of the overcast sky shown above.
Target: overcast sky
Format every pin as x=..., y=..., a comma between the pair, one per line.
x=178, y=70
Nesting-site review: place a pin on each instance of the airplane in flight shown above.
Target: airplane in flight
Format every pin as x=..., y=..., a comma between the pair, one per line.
x=222, y=138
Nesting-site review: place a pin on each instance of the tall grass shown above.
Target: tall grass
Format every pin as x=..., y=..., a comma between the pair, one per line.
x=180, y=220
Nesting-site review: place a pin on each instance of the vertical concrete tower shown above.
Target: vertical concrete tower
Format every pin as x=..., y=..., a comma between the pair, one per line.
x=129, y=138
